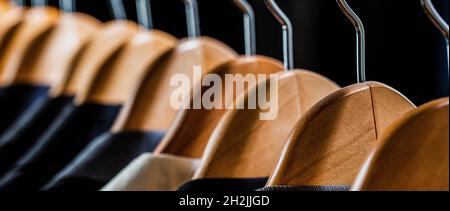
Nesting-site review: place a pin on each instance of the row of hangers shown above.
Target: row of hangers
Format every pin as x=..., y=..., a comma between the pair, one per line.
x=324, y=134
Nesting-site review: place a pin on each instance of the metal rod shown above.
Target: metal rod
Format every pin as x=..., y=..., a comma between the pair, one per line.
x=68, y=5
x=117, y=9
x=249, y=26
x=360, y=39
x=144, y=13
x=192, y=18
x=288, y=41
x=39, y=3
x=439, y=22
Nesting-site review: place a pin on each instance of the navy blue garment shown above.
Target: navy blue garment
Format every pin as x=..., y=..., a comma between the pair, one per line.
x=224, y=185
x=102, y=160
x=16, y=99
x=24, y=133
x=59, y=145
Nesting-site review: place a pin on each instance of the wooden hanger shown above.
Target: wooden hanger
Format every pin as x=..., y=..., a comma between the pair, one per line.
x=115, y=81
x=243, y=145
x=150, y=108
x=5, y=6
x=36, y=25
x=9, y=23
x=192, y=128
x=412, y=154
x=331, y=141
x=52, y=55
x=111, y=38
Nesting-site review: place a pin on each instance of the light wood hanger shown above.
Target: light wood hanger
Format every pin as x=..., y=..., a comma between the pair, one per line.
x=331, y=141
x=53, y=55
x=412, y=153
x=108, y=42
x=5, y=6
x=243, y=145
x=150, y=109
x=37, y=24
x=192, y=129
x=117, y=79
x=9, y=23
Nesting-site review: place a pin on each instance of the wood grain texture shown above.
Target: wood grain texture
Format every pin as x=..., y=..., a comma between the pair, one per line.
x=53, y=55
x=331, y=141
x=36, y=25
x=243, y=146
x=150, y=109
x=412, y=154
x=192, y=129
x=118, y=78
x=109, y=40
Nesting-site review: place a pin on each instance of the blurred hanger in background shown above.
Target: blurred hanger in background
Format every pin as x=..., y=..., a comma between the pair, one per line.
x=192, y=129
x=150, y=109
x=330, y=142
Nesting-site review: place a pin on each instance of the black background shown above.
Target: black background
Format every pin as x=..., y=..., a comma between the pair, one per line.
x=404, y=50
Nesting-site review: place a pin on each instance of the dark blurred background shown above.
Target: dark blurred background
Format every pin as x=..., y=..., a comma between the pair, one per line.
x=404, y=49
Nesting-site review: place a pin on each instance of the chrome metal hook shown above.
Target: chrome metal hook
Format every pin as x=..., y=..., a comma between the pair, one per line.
x=249, y=26
x=438, y=21
x=68, y=5
x=288, y=40
x=117, y=9
x=39, y=3
x=144, y=13
x=360, y=39
x=192, y=18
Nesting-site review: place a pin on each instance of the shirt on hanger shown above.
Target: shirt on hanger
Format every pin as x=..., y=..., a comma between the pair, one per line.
x=306, y=189
x=59, y=145
x=25, y=131
x=224, y=185
x=152, y=172
x=16, y=99
x=103, y=159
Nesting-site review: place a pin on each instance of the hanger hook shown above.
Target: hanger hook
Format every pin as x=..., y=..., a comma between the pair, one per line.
x=117, y=9
x=144, y=13
x=20, y=2
x=438, y=21
x=288, y=41
x=249, y=26
x=39, y=3
x=360, y=39
x=192, y=18
x=68, y=5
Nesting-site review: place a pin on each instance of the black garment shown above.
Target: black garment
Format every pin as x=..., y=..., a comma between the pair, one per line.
x=224, y=185
x=64, y=139
x=102, y=160
x=28, y=128
x=16, y=99
x=306, y=189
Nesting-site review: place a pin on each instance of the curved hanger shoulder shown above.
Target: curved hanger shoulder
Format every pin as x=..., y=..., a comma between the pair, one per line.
x=106, y=42
x=116, y=80
x=53, y=54
x=37, y=24
x=244, y=146
x=412, y=153
x=192, y=128
x=150, y=109
x=9, y=22
x=331, y=141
